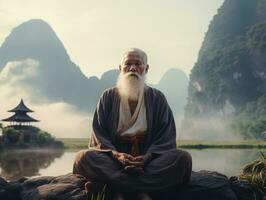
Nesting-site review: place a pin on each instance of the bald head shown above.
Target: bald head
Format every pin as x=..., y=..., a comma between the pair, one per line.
x=135, y=53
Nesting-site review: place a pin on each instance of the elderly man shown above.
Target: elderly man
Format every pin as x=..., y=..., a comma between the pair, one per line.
x=133, y=144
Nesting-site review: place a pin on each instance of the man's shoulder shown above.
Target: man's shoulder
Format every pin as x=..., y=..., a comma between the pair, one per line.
x=157, y=99
x=109, y=92
x=154, y=93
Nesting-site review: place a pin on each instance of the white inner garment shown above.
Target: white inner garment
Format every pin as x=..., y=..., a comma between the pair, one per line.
x=135, y=124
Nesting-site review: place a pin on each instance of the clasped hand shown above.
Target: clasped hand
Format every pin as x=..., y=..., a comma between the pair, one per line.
x=130, y=163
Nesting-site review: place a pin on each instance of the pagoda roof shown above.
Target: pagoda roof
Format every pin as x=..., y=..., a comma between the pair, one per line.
x=18, y=117
x=21, y=107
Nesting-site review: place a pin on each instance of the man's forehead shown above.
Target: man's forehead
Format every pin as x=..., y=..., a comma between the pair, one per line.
x=133, y=56
x=136, y=54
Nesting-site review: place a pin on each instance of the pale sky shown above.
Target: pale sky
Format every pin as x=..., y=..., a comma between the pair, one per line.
x=96, y=32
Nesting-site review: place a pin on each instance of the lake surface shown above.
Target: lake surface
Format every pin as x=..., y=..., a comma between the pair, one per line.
x=52, y=163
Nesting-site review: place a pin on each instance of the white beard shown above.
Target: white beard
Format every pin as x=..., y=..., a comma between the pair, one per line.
x=129, y=86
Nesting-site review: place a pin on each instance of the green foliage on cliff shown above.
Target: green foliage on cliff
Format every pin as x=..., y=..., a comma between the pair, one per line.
x=251, y=120
x=231, y=66
x=256, y=37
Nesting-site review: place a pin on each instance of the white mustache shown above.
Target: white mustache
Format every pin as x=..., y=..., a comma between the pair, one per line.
x=133, y=74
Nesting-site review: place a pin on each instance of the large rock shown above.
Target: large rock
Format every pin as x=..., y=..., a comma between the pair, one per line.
x=57, y=188
x=204, y=185
x=208, y=185
x=10, y=191
x=246, y=191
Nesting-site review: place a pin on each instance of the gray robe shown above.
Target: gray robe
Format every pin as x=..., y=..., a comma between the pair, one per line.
x=169, y=165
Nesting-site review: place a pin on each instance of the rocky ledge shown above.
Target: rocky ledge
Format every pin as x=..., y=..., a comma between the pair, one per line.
x=205, y=185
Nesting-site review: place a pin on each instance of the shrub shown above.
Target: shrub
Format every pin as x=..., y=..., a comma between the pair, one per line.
x=11, y=134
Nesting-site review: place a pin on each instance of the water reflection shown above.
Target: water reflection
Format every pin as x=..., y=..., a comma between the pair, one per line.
x=15, y=164
x=52, y=163
x=226, y=161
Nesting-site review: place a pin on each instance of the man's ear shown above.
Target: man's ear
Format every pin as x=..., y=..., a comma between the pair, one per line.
x=147, y=69
x=120, y=68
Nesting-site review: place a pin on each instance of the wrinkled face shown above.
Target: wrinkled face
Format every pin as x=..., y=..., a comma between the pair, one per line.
x=133, y=65
x=131, y=80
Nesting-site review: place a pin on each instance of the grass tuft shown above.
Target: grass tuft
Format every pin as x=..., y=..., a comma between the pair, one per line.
x=255, y=172
x=100, y=195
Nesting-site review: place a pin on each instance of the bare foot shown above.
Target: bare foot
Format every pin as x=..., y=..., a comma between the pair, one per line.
x=118, y=196
x=143, y=196
x=91, y=187
x=88, y=187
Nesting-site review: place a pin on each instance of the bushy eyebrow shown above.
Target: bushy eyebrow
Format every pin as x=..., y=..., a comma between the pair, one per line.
x=134, y=61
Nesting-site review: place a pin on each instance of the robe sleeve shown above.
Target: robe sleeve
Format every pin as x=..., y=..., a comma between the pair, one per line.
x=100, y=138
x=164, y=131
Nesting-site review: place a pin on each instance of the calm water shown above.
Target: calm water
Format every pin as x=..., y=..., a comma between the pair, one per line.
x=34, y=163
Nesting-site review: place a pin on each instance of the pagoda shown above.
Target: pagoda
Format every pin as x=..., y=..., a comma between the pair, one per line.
x=20, y=117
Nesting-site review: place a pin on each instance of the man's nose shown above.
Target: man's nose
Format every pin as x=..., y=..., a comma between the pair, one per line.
x=132, y=67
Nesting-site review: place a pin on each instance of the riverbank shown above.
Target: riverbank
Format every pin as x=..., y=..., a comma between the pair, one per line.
x=204, y=144
x=82, y=143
